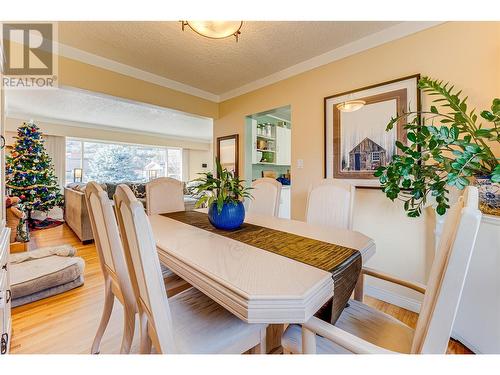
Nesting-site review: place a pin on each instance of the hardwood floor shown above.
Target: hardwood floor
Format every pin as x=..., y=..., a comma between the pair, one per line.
x=66, y=323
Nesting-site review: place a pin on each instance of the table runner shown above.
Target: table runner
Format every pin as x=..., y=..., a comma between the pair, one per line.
x=344, y=263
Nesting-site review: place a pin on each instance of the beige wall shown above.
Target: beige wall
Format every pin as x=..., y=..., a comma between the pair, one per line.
x=196, y=159
x=467, y=54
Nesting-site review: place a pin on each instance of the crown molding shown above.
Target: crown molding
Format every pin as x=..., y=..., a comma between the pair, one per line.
x=384, y=36
x=115, y=66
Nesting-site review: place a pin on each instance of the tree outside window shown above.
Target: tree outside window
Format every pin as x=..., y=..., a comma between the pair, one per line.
x=112, y=163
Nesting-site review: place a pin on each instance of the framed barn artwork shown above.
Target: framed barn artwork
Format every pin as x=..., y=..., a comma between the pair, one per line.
x=356, y=140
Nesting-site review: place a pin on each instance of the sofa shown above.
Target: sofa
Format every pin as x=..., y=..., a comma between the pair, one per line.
x=75, y=207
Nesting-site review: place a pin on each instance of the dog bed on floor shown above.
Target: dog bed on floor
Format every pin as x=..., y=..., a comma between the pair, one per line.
x=43, y=273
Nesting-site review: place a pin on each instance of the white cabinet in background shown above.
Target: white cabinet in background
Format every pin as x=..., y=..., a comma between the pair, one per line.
x=477, y=324
x=5, y=296
x=284, y=209
x=254, y=142
x=283, y=146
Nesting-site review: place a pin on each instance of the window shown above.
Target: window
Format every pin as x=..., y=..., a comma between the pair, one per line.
x=73, y=157
x=174, y=163
x=112, y=162
x=375, y=156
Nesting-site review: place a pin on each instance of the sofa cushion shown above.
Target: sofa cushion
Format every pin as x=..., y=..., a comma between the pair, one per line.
x=77, y=186
x=80, y=186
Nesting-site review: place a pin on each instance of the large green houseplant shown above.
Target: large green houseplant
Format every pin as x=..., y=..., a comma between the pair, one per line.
x=223, y=195
x=448, y=147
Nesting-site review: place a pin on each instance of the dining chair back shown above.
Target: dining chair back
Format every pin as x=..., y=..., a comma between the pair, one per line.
x=330, y=203
x=113, y=264
x=266, y=194
x=146, y=275
x=164, y=195
x=362, y=329
x=447, y=276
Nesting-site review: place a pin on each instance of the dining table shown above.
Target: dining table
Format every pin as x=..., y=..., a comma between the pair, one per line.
x=271, y=270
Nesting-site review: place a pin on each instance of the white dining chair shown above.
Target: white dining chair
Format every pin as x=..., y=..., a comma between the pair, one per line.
x=189, y=322
x=330, y=203
x=362, y=329
x=164, y=195
x=266, y=194
x=113, y=265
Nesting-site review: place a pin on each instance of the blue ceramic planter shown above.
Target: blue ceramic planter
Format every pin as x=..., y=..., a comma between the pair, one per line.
x=231, y=216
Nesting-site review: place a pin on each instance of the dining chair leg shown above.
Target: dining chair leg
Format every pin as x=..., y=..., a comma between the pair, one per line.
x=145, y=347
x=261, y=347
x=359, y=288
x=263, y=341
x=128, y=328
x=109, y=300
x=273, y=337
x=308, y=341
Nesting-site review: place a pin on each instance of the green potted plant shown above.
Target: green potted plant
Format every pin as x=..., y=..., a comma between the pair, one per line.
x=448, y=146
x=224, y=197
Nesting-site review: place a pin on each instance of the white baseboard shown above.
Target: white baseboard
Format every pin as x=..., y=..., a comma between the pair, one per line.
x=393, y=298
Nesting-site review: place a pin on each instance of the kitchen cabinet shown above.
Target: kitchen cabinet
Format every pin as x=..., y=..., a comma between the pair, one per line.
x=283, y=146
x=276, y=147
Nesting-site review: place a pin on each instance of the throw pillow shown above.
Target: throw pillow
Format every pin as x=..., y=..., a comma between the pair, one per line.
x=139, y=189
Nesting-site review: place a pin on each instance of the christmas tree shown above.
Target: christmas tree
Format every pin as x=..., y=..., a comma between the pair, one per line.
x=30, y=173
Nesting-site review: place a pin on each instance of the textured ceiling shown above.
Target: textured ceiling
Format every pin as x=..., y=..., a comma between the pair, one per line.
x=86, y=108
x=216, y=66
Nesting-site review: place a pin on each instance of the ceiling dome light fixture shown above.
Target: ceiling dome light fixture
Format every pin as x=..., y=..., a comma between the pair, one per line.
x=215, y=29
x=350, y=105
